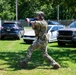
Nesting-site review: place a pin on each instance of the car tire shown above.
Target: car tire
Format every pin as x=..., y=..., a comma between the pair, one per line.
x=60, y=43
x=19, y=36
x=28, y=41
x=2, y=38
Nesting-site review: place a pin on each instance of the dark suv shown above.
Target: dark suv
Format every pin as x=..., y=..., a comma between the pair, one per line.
x=67, y=35
x=11, y=30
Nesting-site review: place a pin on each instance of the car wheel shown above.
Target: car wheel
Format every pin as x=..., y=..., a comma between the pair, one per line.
x=2, y=38
x=19, y=36
x=60, y=43
x=28, y=41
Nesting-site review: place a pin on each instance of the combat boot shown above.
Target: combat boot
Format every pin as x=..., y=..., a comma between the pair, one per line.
x=56, y=66
x=23, y=64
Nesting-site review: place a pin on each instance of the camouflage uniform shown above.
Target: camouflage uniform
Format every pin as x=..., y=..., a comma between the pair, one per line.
x=40, y=28
x=41, y=42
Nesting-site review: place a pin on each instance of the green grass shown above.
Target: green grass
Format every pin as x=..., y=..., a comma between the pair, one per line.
x=13, y=50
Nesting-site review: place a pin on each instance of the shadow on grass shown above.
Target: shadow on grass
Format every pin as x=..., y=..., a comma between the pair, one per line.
x=8, y=39
x=11, y=58
x=66, y=46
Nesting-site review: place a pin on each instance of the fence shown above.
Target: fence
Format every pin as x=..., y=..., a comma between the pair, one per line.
x=64, y=22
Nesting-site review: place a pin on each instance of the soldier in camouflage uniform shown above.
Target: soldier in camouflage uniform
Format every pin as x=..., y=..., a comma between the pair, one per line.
x=40, y=28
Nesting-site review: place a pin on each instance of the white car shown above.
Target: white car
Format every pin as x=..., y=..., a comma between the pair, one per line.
x=29, y=36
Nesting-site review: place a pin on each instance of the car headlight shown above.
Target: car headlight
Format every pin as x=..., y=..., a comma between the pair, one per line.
x=57, y=32
x=74, y=33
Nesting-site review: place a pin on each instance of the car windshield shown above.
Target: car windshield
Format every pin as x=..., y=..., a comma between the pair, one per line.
x=49, y=27
x=8, y=25
x=73, y=25
x=53, y=23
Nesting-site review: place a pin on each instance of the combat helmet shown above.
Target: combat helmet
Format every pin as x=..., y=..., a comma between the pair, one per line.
x=40, y=13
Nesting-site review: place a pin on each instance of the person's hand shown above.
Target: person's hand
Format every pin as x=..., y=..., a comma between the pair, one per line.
x=27, y=19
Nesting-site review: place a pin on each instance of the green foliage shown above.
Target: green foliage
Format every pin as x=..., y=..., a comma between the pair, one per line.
x=5, y=10
x=26, y=8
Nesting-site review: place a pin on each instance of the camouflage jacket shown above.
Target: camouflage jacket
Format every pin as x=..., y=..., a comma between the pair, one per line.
x=41, y=29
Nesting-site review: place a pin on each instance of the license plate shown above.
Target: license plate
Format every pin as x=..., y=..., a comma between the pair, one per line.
x=8, y=29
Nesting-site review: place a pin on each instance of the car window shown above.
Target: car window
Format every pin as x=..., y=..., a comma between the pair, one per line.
x=8, y=24
x=49, y=27
x=53, y=23
x=50, y=23
x=60, y=27
x=56, y=23
x=55, y=28
x=73, y=25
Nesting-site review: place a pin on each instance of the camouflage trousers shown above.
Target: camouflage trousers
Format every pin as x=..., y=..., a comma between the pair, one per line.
x=42, y=45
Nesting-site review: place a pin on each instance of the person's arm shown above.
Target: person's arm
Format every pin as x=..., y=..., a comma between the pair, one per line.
x=33, y=24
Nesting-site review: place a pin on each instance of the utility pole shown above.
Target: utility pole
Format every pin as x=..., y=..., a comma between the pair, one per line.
x=16, y=10
x=58, y=13
x=0, y=27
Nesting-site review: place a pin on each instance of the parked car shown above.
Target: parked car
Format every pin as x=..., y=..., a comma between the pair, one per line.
x=67, y=35
x=53, y=32
x=0, y=31
x=29, y=36
x=53, y=23
x=11, y=30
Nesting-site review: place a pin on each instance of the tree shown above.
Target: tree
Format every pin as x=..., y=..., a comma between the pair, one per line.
x=5, y=10
x=26, y=8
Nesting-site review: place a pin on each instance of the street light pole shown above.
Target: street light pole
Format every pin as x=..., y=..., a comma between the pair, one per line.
x=16, y=10
x=58, y=13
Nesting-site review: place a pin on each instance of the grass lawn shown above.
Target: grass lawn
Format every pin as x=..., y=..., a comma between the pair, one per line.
x=13, y=50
